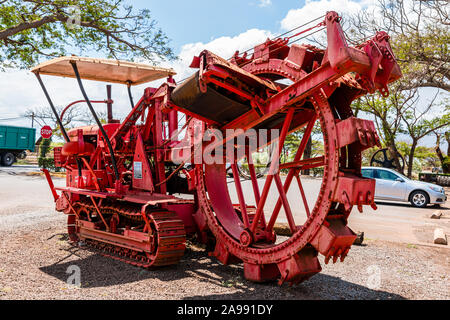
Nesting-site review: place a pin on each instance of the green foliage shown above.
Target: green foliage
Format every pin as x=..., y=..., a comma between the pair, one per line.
x=46, y=163
x=421, y=55
x=446, y=164
x=418, y=126
x=366, y=156
x=293, y=141
x=44, y=147
x=419, y=38
x=30, y=30
x=424, y=157
x=291, y=145
x=387, y=113
x=401, y=113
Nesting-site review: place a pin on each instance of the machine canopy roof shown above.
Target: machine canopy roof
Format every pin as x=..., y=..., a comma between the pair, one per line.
x=114, y=71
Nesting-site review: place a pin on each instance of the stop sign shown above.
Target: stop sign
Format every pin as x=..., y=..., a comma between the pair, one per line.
x=46, y=132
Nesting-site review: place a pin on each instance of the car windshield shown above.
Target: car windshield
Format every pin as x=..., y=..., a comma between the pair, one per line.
x=401, y=175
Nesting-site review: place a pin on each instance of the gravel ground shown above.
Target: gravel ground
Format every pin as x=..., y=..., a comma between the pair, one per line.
x=35, y=256
x=34, y=264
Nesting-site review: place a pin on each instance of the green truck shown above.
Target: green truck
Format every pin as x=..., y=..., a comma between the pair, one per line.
x=14, y=141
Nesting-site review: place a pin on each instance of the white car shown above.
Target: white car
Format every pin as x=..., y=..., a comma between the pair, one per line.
x=393, y=186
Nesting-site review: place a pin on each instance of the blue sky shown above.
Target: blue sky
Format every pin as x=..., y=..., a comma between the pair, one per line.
x=203, y=20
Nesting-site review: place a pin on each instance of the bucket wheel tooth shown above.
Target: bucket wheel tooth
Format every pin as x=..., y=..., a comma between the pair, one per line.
x=222, y=254
x=299, y=267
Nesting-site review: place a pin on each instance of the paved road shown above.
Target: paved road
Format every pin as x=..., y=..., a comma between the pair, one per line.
x=18, y=169
x=26, y=200
x=398, y=222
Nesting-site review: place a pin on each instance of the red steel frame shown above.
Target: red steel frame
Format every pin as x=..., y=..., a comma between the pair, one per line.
x=248, y=237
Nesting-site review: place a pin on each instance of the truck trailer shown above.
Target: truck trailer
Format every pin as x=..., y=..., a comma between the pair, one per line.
x=14, y=141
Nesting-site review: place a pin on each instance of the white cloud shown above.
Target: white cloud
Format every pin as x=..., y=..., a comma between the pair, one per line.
x=224, y=46
x=314, y=9
x=264, y=3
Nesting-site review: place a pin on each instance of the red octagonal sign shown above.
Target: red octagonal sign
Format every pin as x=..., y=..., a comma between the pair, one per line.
x=46, y=132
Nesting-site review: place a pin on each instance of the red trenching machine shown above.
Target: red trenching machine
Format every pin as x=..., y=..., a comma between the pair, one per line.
x=134, y=192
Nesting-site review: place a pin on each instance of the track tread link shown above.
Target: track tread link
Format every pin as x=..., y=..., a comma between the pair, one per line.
x=171, y=237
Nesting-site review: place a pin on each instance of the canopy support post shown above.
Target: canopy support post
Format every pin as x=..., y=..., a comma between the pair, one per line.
x=129, y=94
x=109, y=103
x=50, y=102
x=105, y=136
x=58, y=119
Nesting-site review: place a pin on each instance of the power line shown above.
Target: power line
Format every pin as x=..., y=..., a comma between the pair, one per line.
x=4, y=119
x=287, y=32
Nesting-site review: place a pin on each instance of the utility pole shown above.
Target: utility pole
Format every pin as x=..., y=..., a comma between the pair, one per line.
x=32, y=119
x=109, y=104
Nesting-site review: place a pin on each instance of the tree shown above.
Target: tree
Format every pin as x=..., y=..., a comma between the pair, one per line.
x=73, y=116
x=424, y=157
x=403, y=112
x=418, y=126
x=32, y=29
x=387, y=114
x=445, y=160
x=419, y=38
x=44, y=148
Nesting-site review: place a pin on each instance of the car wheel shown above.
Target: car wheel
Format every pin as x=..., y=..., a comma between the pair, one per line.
x=419, y=199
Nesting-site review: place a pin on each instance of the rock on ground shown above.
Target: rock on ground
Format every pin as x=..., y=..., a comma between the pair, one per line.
x=440, y=237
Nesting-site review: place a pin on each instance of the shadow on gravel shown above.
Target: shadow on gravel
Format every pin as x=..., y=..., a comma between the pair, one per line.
x=319, y=287
x=99, y=271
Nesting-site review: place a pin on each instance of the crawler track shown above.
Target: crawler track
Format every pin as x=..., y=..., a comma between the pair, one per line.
x=165, y=241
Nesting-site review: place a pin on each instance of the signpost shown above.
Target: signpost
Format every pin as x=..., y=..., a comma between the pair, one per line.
x=46, y=132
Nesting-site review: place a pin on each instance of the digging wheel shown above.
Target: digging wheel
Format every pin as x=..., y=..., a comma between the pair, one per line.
x=240, y=238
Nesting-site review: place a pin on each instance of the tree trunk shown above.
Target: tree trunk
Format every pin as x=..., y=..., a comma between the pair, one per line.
x=447, y=137
x=442, y=158
x=390, y=144
x=411, y=158
x=394, y=153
